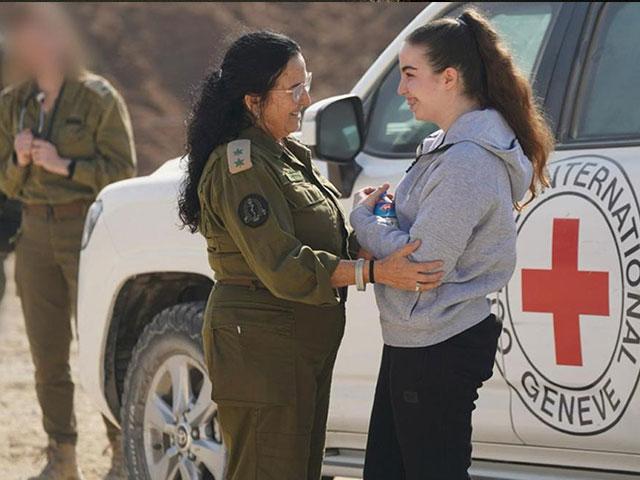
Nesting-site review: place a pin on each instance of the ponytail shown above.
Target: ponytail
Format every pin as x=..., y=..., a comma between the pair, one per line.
x=491, y=77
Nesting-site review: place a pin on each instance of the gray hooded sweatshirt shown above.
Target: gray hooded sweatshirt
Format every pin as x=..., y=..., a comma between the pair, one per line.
x=457, y=198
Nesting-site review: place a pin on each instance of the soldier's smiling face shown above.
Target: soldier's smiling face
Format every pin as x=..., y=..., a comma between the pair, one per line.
x=281, y=114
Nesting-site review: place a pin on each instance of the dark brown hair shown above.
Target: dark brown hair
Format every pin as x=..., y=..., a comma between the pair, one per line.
x=471, y=45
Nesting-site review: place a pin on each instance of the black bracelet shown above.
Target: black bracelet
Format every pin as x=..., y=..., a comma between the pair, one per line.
x=71, y=169
x=371, y=279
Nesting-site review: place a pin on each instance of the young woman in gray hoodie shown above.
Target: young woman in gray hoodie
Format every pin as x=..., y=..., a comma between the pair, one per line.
x=458, y=199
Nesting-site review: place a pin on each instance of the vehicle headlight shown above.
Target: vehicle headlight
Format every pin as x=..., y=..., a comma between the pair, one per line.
x=90, y=221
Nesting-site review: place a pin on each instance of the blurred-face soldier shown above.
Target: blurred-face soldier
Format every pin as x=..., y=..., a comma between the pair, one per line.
x=64, y=134
x=278, y=243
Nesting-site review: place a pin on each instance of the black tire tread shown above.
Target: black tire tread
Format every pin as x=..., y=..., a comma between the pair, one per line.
x=182, y=319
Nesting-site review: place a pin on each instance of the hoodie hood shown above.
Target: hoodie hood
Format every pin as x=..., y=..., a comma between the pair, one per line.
x=488, y=129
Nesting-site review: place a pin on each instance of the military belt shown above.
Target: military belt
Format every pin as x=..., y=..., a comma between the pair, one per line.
x=253, y=283
x=61, y=211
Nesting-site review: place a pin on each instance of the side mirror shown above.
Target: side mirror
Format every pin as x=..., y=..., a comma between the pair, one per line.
x=334, y=128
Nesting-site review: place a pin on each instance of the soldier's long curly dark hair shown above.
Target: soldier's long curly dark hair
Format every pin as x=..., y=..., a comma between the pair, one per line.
x=251, y=65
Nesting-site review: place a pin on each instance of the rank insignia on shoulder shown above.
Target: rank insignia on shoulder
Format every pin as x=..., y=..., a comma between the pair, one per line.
x=253, y=210
x=239, y=155
x=98, y=85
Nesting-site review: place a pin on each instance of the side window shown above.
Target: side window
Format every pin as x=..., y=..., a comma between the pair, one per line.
x=610, y=88
x=394, y=133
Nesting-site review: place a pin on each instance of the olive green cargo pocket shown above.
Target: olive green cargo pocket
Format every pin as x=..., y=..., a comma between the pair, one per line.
x=76, y=141
x=301, y=195
x=251, y=359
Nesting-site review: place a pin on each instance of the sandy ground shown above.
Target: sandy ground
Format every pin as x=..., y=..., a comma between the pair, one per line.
x=21, y=435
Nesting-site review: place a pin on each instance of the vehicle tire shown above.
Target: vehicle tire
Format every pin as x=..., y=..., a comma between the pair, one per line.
x=169, y=423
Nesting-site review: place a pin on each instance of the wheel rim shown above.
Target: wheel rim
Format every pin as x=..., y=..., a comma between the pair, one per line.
x=182, y=438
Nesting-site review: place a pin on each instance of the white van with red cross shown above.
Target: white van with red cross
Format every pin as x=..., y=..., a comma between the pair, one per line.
x=563, y=402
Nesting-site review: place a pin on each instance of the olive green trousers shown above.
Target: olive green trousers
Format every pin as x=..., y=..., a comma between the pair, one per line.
x=270, y=363
x=46, y=272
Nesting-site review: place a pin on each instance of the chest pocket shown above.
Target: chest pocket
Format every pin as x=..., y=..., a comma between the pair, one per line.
x=314, y=216
x=75, y=137
x=303, y=195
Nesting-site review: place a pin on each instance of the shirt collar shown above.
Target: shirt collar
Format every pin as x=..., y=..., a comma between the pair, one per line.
x=263, y=139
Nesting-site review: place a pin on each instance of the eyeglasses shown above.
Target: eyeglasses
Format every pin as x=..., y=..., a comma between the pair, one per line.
x=297, y=91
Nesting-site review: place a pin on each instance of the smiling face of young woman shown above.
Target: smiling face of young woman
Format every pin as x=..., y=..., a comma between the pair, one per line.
x=430, y=95
x=280, y=113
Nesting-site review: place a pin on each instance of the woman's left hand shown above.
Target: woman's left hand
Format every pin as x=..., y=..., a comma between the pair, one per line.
x=370, y=196
x=46, y=156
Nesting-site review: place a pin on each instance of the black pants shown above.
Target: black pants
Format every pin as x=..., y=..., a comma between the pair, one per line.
x=420, y=425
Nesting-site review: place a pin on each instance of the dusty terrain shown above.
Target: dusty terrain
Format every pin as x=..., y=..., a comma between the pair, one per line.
x=21, y=433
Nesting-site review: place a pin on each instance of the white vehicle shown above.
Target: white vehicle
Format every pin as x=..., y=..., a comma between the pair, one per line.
x=563, y=402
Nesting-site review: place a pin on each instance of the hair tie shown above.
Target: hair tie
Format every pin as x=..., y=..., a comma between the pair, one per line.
x=483, y=68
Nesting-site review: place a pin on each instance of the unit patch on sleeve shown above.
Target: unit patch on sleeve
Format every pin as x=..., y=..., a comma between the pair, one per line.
x=253, y=210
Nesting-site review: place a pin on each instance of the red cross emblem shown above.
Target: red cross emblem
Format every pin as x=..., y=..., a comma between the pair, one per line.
x=565, y=291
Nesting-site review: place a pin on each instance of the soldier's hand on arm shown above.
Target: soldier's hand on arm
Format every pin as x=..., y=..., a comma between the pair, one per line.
x=22, y=147
x=396, y=270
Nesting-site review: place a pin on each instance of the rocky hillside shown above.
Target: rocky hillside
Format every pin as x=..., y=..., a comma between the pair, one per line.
x=156, y=52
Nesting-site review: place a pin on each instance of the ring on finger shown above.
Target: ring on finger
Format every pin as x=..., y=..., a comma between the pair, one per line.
x=417, y=286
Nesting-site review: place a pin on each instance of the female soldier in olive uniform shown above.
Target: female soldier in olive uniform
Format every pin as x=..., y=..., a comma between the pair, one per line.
x=276, y=239
x=64, y=135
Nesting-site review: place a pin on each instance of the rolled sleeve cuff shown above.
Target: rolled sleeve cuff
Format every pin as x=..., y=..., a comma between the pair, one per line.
x=330, y=263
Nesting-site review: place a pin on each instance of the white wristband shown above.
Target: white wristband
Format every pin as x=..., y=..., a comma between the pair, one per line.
x=360, y=284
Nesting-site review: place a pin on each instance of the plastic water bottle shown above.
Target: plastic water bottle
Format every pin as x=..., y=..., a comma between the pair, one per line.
x=385, y=211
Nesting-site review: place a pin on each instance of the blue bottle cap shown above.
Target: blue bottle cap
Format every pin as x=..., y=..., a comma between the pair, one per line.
x=385, y=208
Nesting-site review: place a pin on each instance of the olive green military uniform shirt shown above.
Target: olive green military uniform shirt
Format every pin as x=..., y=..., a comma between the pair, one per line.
x=268, y=214
x=91, y=126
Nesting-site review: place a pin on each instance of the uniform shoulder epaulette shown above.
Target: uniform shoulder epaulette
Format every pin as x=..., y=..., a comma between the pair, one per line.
x=18, y=89
x=97, y=84
x=239, y=155
x=7, y=90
